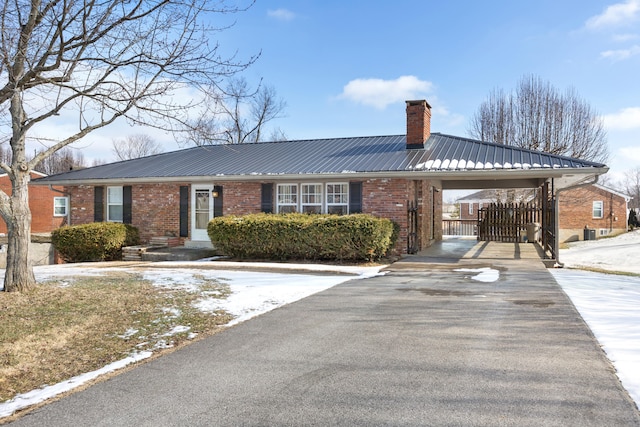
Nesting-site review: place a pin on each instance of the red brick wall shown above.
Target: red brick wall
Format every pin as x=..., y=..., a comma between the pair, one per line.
x=241, y=198
x=41, y=205
x=464, y=210
x=155, y=207
x=576, y=212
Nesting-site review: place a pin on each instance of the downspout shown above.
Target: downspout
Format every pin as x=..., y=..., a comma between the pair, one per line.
x=556, y=207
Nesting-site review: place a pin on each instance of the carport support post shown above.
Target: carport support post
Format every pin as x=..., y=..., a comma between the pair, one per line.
x=556, y=226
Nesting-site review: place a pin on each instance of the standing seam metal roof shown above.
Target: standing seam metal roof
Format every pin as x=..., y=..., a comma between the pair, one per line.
x=327, y=156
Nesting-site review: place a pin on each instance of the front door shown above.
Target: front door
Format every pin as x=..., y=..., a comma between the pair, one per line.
x=201, y=211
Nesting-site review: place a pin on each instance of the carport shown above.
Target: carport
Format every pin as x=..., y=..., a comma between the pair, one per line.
x=463, y=164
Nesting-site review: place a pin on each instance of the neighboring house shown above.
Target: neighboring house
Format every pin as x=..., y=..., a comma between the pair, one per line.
x=472, y=203
x=399, y=177
x=49, y=205
x=595, y=207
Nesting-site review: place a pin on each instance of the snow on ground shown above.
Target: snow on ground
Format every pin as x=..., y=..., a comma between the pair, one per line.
x=618, y=253
x=252, y=293
x=608, y=303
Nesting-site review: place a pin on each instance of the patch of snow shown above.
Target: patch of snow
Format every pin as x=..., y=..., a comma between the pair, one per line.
x=485, y=274
x=251, y=294
x=177, y=330
x=24, y=400
x=609, y=304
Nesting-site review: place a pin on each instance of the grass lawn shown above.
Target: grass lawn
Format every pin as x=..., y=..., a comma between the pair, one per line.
x=65, y=328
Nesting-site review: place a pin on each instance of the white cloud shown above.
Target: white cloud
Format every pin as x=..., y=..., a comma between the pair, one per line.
x=624, y=37
x=618, y=14
x=621, y=54
x=379, y=93
x=627, y=118
x=281, y=14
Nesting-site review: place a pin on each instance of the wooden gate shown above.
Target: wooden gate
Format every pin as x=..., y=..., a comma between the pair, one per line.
x=507, y=222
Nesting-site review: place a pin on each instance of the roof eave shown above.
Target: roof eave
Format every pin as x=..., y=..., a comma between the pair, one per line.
x=444, y=175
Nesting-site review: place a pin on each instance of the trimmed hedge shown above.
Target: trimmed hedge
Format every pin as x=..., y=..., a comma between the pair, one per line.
x=301, y=236
x=98, y=241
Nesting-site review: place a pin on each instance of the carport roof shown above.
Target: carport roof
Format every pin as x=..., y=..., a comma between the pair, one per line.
x=443, y=157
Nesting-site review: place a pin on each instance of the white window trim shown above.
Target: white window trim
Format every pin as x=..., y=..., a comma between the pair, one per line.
x=66, y=206
x=593, y=209
x=121, y=204
x=470, y=208
x=297, y=196
x=322, y=199
x=324, y=195
x=326, y=198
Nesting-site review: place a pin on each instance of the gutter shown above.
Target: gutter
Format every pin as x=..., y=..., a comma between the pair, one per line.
x=444, y=175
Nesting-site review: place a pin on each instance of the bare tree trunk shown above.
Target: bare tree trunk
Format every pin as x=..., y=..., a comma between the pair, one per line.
x=19, y=272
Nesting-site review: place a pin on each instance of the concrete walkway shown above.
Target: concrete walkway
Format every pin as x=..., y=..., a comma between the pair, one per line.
x=447, y=337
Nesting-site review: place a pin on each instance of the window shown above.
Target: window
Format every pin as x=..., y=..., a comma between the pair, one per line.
x=114, y=204
x=287, y=198
x=338, y=199
x=311, y=195
x=598, y=209
x=470, y=208
x=60, y=206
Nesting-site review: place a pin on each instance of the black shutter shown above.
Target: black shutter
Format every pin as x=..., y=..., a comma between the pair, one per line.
x=217, y=201
x=126, y=204
x=184, y=211
x=355, y=197
x=267, y=198
x=98, y=204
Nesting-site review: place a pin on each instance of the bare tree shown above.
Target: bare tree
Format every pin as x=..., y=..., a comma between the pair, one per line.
x=97, y=61
x=632, y=187
x=238, y=114
x=536, y=116
x=63, y=160
x=135, y=146
x=5, y=155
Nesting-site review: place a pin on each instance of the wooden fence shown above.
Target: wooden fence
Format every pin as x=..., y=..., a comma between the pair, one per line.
x=507, y=222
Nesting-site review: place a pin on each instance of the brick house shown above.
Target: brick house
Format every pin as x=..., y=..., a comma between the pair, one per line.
x=49, y=205
x=472, y=203
x=596, y=207
x=400, y=177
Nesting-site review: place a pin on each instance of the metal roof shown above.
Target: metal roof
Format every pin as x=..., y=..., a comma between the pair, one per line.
x=361, y=155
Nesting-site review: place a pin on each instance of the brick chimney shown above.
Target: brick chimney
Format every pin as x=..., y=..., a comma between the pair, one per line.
x=418, y=123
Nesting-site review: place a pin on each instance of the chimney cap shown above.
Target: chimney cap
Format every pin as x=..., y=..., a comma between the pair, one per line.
x=418, y=102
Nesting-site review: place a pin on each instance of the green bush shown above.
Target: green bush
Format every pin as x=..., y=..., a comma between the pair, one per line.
x=302, y=236
x=98, y=241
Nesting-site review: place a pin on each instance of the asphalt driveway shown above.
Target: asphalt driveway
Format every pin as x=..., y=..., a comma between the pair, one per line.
x=426, y=344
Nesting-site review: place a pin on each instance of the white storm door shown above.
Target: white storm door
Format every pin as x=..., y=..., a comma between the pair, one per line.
x=201, y=211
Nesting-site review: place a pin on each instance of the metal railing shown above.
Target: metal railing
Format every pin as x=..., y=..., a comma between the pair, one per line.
x=459, y=227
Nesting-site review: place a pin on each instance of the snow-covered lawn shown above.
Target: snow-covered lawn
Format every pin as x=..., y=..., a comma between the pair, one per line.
x=608, y=303
x=252, y=293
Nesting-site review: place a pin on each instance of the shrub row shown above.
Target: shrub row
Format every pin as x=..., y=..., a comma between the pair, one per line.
x=98, y=241
x=302, y=236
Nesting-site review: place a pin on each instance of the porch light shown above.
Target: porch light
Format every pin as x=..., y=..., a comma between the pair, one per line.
x=214, y=193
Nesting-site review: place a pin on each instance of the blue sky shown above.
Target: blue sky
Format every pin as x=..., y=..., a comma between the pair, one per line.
x=345, y=68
